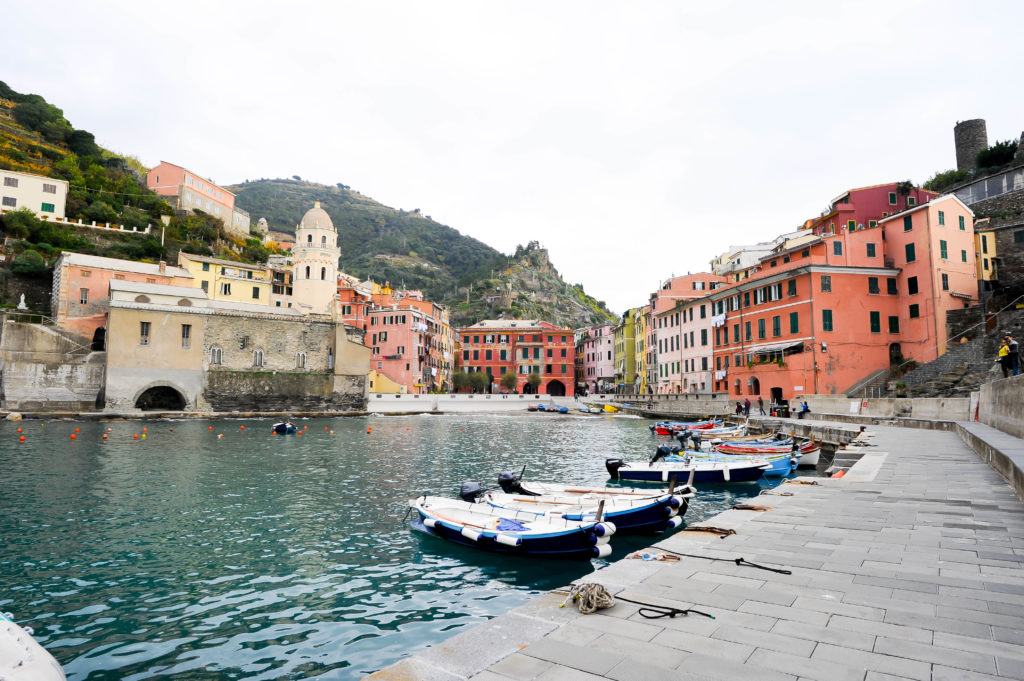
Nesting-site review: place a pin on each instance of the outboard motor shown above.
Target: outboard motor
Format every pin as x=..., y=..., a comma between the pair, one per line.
x=509, y=483
x=471, y=491
x=683, y=436
x=662, y=452
x=613, y=466
x=695, y=438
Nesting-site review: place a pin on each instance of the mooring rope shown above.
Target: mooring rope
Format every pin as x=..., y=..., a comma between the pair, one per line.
x=739, y=561
x=592, y=597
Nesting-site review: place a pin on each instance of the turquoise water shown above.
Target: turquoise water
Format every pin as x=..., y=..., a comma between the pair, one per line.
x=184, y=555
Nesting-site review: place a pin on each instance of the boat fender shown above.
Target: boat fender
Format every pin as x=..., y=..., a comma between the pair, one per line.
x=471, y=491
x=508, y=540
x=602, y=540
x=604, y=529
x=470, y=533
x=675, y=502
x=669, y=511
x=430, y=522
x=601, y=551
x=613, y=466
x=674, y=522
x=725, y=473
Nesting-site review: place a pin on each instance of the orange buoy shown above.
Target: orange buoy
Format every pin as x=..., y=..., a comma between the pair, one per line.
x=460, y=427
x=135, y=437
x=104, y=436
x=241, y=427
x=172, y=430
x=220, y=436
x=325, y=427
x=332, y=432
x=72, y=436
x=19, y=430
x=299, y=433
x=273, y=432
x=109, y=430
x=76, y=430
x=839, y=474
x=407, y=428
x=22, y=438
x=144, y=430
x=211, y=427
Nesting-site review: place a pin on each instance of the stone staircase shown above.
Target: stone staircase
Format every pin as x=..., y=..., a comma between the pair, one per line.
x=873, y=385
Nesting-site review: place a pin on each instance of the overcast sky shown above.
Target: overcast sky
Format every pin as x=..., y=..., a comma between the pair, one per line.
x=634, y=140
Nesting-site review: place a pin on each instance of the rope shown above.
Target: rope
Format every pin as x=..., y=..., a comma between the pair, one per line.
x=739, y=561
x=750, y=507
x=723, y=533
x=653, y=612
x=589, y=598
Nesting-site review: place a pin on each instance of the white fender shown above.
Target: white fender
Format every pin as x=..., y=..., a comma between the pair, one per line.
x=725, y=473
x=470, y=533
x=508, y=540
x=430, y=522
x=601, y=541
x=602, y=550
x=675, y=522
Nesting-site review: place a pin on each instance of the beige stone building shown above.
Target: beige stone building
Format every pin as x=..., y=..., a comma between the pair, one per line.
x=315, y=263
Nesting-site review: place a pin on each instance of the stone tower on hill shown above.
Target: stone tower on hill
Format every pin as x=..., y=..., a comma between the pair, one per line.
x=315, y=257
x=970, y=137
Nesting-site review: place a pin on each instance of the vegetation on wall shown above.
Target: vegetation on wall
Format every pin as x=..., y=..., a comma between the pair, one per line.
x=996, y=158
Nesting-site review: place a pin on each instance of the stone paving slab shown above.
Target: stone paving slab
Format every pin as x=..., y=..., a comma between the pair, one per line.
x=909, y=567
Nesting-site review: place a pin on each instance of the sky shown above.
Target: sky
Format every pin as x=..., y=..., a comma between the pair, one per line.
x=634, y=140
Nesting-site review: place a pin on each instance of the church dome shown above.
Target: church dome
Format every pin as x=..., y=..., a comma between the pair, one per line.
x=316, y=218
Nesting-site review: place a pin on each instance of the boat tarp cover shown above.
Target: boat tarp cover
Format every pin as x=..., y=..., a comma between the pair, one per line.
x=506, y=525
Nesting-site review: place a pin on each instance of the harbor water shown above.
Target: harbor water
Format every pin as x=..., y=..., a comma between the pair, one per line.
x=210, y=550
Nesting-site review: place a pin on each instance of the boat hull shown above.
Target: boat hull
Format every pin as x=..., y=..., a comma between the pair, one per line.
x=701, y=475
x=648, y=516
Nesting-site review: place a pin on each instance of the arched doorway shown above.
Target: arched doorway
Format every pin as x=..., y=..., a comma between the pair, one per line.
x=99, y=339
x=161, y=398
x=755, y=386
x=895, y=354
x=556, y=389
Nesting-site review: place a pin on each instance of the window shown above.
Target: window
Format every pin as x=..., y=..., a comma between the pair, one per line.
x=776, y=325
x=10, y=182
x=872, y=223
x=871, y=250
x=255, y=292
x=205, y=285
x=943, y=250
x=309, y=238
x=143, y=333
x=911, y=256
x=963, y=256
x=945, y=282
x=323, y=242
x=225, y=289
x=851, y=225
x=206, y=267
x=300, y=360
x=257, y=358
x=10, y=202
x=912, y=285
x=826, y=283
x=703, y=336
x=984, y=243
x=908, y=223
x=892, y=198
x=876, y=322
x=942, y=217
x=911, y=201
x=703, y=312
x=760, y=328
x=503, y=355
x=83, y=296
x=186, y=335
x=890, y=286
x=216, y=355
x=826, y=320
x=307, y=271
x=837, y=247
x=873, y=285
x=962, y=225
x=735, y=333
x=746, y=330
x=794, y=322
x=47, y=208
x=791, y=287
x=487, y=355
x=52, y=189
x=894, y=324
x=465, y=355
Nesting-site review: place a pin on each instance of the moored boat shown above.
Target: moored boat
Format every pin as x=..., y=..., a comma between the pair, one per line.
x=701, y=471
x=285, y=428
x=21, y=656
x=504, y=530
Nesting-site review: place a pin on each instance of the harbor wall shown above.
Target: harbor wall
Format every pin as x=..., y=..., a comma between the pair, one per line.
x=1001, y=405
x=40, y=369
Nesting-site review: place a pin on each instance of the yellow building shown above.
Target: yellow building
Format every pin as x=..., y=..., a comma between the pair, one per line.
x=640, y=316
x=985, y=251
x=227, y=279
x=379, y=383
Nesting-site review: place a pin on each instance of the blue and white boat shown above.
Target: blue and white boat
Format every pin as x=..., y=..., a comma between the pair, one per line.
x=633, y=511
x=508, y=531
x=285, y=428
x=781, y=464
x=703, y=472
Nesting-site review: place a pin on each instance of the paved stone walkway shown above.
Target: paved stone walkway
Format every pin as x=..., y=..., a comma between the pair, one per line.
x=908, y=568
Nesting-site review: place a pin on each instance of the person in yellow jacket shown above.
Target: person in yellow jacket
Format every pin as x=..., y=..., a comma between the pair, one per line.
x=1004, y=357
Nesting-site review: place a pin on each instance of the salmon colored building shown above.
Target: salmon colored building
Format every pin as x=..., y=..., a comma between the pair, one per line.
x=820, y=316
x=681, y=335
x=187, y=191
x=521, y=346
x=412, y=341
x=80, y=297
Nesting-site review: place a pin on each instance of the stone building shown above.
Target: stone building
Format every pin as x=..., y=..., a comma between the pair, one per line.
x=315, y=262
x=173, y=348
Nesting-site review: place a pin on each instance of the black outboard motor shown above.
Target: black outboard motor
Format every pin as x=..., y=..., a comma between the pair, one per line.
x=471, y=491
x=510, y=484
x=613, y=466
x=662, y=452
x=695, y=438
x=683, y=436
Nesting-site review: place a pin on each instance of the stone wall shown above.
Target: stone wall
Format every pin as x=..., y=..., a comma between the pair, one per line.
x=41, y=370
x=280, y=341
x=1000, y=206
x=1000, y=405
x=283, y=392
x=1011, y=255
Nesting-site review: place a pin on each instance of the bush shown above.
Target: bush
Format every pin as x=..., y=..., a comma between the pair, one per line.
x=947, y=178
x=30, y=263
x=101, y=212
x=999, y=154
x=19, y=223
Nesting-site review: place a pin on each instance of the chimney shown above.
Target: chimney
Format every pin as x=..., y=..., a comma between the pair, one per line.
x=163, y=267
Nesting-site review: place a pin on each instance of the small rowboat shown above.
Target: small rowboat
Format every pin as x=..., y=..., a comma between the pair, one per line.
x=673, y=427
x=21, y=656
x=285, y=428
x=504, y=530
x=632, y=510
x=781, y=464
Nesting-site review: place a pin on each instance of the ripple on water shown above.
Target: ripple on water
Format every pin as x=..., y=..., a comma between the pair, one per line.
x=185, y=556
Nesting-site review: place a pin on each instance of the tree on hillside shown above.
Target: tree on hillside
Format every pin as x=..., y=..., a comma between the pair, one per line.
x=997, y=155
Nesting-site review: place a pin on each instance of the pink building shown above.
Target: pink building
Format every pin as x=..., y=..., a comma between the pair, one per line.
x=81, y=287
x=865, y=207
x=680, y=351
x=187, y=191
x=596, y=347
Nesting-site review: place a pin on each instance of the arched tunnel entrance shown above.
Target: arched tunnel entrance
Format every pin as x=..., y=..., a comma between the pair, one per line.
x=161, y=398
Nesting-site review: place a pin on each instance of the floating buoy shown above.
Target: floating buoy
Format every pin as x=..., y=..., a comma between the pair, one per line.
x=144, y=430
x=838, y=474
x=143, y=436
x=109, y=429
x=460, y=427
x=19, y=430
x=211, y=427
x=407, y=428
x=241, y=427
x=220, y=436
x=299, y=433
x=135, y=437
x=332, y=432
x=72, y=436
x=273, y=432
x=325, y=427
x=104, y=436
x=369, y=428
x=76, y=430
x=172, y=430
x=21, y=439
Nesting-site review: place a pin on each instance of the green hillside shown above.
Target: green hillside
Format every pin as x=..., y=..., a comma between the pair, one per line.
x=410, y=250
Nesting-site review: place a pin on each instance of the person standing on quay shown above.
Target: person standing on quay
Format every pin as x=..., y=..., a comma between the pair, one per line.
x=1004, y=357
x=760, y=405
x=746, y=407
x=1014, y=348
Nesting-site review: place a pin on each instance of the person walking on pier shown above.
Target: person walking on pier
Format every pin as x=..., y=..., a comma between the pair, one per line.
x=1014, y=348
x=760, y=405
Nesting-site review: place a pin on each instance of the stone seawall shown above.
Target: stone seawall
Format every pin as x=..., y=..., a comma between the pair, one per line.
x=270, y=391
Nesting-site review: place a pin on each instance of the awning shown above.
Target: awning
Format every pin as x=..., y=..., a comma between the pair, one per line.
x=775, y=347
x=962, y=296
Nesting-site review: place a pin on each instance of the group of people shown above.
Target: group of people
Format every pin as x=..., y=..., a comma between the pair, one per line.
x=743, y=409
x=1009, y=356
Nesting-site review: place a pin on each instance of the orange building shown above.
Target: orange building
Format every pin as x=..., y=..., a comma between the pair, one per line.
x=819, y=316
x=522, y=346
